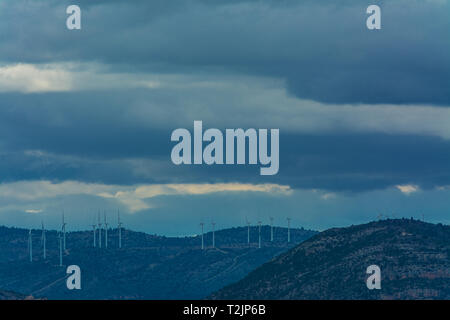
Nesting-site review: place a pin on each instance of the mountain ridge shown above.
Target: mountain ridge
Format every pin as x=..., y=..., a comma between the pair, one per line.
x=413, y=257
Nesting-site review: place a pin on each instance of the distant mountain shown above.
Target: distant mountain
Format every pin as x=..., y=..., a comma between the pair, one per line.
x=147, y=267
x=414, y=258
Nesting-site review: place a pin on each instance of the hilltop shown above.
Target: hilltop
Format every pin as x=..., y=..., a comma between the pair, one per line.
x=414, y=258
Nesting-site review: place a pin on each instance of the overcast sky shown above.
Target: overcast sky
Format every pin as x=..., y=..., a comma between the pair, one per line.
x=86, y=115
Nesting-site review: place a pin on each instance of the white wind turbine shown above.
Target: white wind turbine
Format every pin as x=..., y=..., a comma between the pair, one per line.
x=259, y=234
x=99, y=231
x=44, y=240
x=380, y=215
x=289, y=229
x=119, y=226
x=248, y=231
x=213, y=234
x=106, y=231
x=30, y=245
x=202, y=224
x=60, y=237
x=94, y=229
x=63, y=229
x=271, y=229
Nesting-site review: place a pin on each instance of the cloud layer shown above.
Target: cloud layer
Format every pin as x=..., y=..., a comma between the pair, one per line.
x=86, y=116
x=323, y=50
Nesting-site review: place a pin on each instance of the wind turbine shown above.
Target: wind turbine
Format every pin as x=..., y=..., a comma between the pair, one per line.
x=99, y=231
x=248, y=231
x=60, y=248
x=213, y=234
x=271, y=229
x=63, y=228
x=30, y=245
x=379, y=216
x=202, y=224
x=119, y=226
x=43, y=239
x=106, y=231
x=259, y=234
x=95, y=232
x=289, y=229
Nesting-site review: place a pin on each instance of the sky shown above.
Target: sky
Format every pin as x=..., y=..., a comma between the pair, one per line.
x=86, y=115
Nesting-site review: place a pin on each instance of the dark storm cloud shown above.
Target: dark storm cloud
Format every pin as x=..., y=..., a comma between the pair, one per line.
x=366, y=161
x=322, y=49
x=345, y=163
x=93, y=124
x=97, y=137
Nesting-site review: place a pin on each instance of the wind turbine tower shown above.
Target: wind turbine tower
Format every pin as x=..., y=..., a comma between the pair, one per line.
x=99, y=231
x=259, y=234
x=202, y=224
x=271, y=229
x=30, y=245
x=380, y=216
x=213, y=234
x=44, y=240
x=248, y=231
x=60, y=248
x=119, y=226
x=289, y=229
x=106, y=231
x=95, y=231
x=63, y=228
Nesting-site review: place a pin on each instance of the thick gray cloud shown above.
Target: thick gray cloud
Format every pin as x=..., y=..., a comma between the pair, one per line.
x=323, y=50
x=124, y=138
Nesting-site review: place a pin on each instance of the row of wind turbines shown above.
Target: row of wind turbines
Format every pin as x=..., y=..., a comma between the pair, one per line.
x=213, y=224
x=97, y=227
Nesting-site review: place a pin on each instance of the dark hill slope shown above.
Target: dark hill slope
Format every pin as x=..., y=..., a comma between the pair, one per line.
x=414, y=258
x=8, y=295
